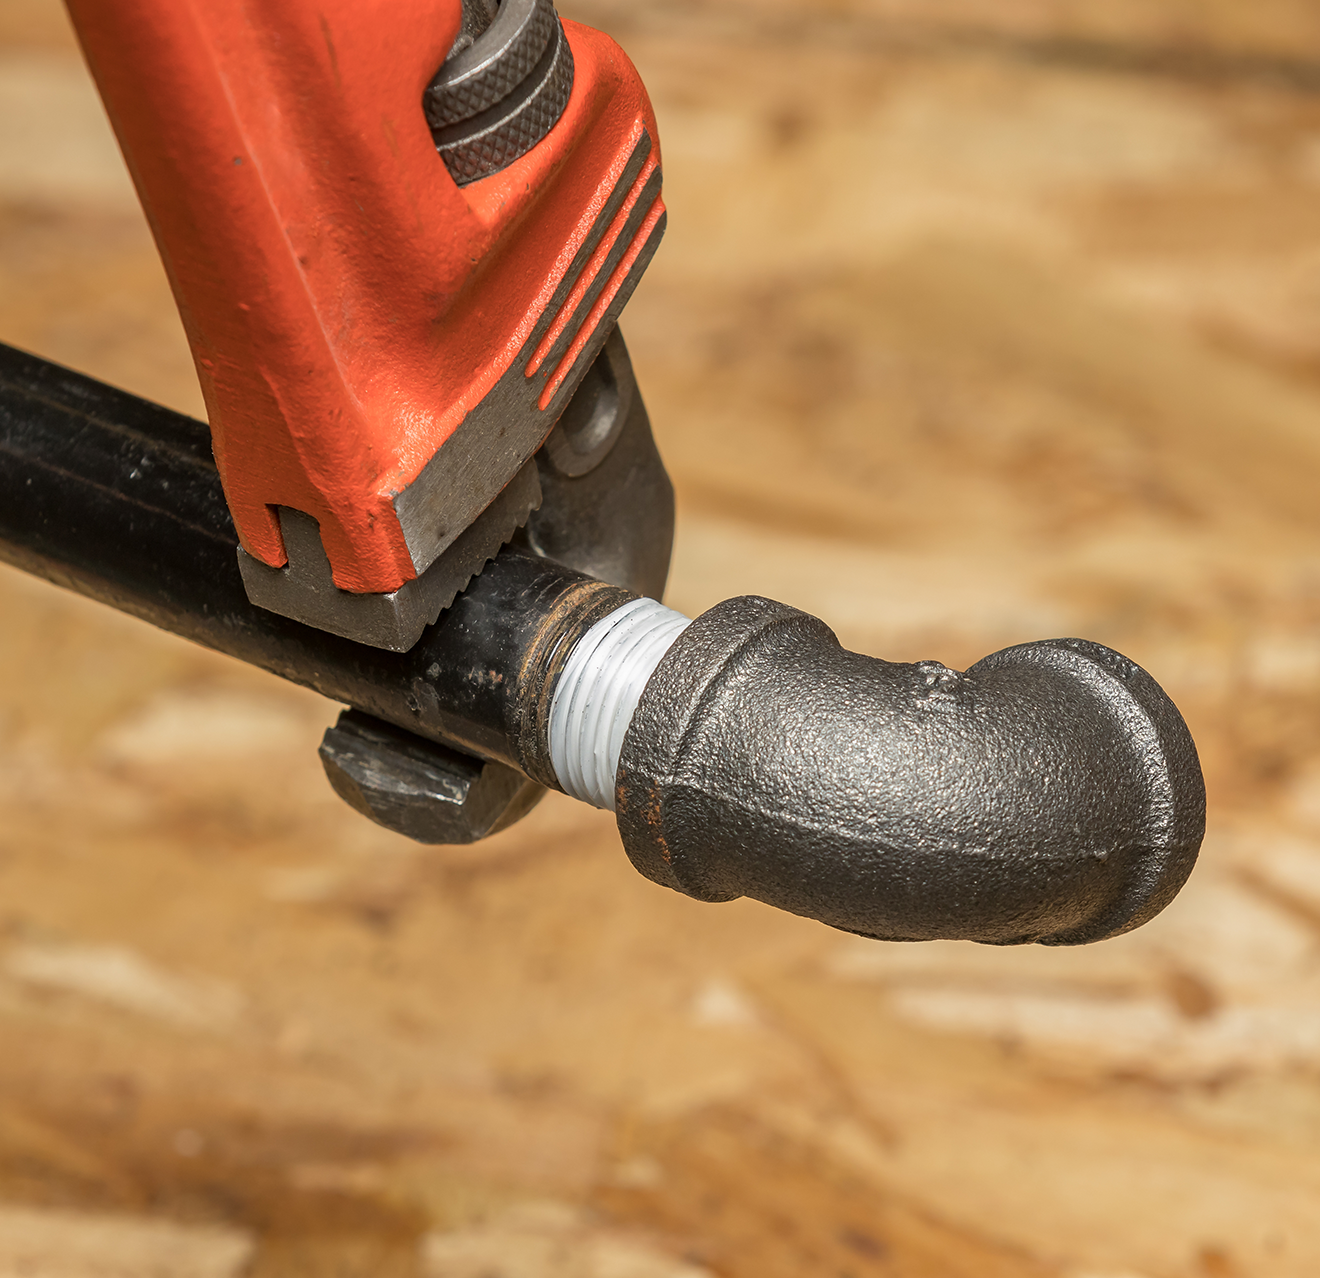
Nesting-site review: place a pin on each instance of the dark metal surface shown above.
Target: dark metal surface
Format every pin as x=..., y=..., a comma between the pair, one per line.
x=593, y=422
x=477, y=16
x=1052, y=793
x=304, y=588
x=608, y=505
x=427, y=792
x=118, y=499
x=473, y=80
x=496, y=98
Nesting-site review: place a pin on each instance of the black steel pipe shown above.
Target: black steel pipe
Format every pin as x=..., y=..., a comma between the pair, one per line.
x=1052, y=793
x=119, y=499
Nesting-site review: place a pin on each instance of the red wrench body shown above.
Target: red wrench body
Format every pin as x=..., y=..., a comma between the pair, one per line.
x=379, y=348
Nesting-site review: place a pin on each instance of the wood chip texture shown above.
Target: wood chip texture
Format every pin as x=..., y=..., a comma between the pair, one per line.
x=976, y=323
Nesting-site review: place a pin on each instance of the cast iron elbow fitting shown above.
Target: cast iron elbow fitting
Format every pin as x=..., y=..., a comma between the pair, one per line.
x=1052, y=793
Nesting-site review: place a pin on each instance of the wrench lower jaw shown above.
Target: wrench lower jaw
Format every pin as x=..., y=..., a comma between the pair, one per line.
x=304, y=589
x=595, y=497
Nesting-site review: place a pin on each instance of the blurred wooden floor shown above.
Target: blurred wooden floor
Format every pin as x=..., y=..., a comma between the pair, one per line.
x=978, y=321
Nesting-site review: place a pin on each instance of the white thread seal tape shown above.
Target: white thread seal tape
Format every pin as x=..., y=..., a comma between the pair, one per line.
x=597, y=695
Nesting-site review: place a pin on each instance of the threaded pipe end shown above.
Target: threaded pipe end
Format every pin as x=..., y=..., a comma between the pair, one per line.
x=596, y=696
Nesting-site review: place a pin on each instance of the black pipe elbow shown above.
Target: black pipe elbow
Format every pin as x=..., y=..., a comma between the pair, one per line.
x=1050, y=794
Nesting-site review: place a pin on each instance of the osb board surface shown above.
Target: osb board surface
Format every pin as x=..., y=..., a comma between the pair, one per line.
x=967, y=331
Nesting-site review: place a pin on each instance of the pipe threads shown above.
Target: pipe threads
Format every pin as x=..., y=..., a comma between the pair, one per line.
x=597, y=694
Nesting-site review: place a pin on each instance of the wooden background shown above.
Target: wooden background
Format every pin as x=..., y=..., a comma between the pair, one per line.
x=978, y=321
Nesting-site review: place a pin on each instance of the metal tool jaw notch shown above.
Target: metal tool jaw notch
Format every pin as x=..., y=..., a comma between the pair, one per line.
x=396, y=260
